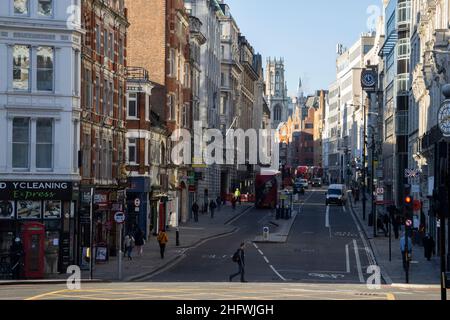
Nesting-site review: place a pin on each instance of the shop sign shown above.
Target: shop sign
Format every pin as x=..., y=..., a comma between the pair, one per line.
x=35, y=190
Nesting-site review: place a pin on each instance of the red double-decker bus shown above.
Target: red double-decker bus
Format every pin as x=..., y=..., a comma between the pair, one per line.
x=267, y=185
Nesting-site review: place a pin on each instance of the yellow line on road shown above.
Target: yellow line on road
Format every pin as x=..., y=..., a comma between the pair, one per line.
x=46, y=294
x=390, y=296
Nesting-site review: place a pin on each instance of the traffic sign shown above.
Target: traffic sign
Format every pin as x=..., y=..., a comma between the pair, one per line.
x=119, y=217
x=380, y=190
x=137, y=202
x=409, y=223
x=412, y=173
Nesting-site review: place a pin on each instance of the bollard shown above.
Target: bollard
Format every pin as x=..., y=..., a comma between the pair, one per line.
x=178, y=237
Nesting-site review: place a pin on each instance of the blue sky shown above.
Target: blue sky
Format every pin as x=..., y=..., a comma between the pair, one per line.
x=304, y=32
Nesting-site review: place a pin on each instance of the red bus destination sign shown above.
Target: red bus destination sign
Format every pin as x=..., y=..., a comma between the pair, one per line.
x=35, y=190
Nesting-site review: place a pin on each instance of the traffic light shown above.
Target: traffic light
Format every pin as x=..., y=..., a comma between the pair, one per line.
x=409, y=206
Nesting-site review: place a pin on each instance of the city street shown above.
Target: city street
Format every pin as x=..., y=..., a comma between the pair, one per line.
x=324, y=246
x=325, y=257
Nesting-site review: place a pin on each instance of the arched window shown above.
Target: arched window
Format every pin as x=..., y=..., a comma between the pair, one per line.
x=163, y=155
x=277, y=82
x=277, y=113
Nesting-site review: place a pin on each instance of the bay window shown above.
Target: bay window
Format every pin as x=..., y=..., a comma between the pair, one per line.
x=44, y=143
x=132, y=105
x=21, y=67
x=132, y=151
x=45, y=68
x=21, y=143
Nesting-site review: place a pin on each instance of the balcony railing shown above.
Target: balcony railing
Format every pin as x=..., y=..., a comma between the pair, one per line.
x=137, y=73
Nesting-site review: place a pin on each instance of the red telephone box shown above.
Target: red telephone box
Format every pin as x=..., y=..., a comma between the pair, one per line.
x=33, y=243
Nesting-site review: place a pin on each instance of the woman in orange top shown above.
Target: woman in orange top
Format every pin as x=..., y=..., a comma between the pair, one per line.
x=162, y=239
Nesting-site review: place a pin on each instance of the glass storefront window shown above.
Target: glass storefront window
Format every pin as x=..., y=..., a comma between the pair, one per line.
x=51, y=252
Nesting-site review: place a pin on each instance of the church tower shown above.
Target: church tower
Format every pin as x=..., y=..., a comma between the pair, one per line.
x=276, y=93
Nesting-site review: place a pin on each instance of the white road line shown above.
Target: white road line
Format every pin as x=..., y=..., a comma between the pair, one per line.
x=343, y=208
x=277, y=273
x=267, y=260
x=327, y=218
x=347, y=255
x=369, y=253
x=262, y=253
x=256, y=246
x=358, y=262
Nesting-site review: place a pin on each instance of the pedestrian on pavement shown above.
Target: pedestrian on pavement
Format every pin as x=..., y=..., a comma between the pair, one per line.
x=162, y=240
x=429, y=246
x=239, y=258
x=233, y=203
x=237, y=195
x=219, y=203
x=386, y=223
x=139, y=242
x=16, y=256
x=212, y=207
x=195, y=210
x=380, y=226
x=403, y=250
x=357, y=195
x=396, y=223
x=128, y=243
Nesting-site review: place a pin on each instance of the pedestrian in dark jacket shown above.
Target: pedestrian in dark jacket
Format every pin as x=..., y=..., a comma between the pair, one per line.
x=239, y=258
x=16, y=258
x=139, y=242
x=386, y=223
x=396, y=223
x=212, y=207
x=195, y=210
x=233, y=203
x=429, y=246
x=219, y=203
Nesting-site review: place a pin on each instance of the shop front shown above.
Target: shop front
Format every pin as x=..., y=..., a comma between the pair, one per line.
x=42, y=215
x=138, y=206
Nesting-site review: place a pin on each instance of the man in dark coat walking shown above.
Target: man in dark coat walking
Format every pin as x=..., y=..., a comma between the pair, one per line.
x=212, y=207
x=429, y=246
x=16, y=258
x=195, y=210
x=239, y=258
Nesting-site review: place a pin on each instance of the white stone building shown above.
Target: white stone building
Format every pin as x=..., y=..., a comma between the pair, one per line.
x=40, y=45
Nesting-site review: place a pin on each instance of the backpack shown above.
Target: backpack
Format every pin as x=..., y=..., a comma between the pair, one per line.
x=236, y=257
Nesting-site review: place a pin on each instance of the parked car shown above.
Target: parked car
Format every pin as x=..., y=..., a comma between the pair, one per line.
x=336, y=194
x=317, y=183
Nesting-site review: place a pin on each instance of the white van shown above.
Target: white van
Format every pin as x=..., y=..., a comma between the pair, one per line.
x=336, y=194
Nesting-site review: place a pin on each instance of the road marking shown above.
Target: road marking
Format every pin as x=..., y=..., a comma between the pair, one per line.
x=343, y=208
x=267, y=260
x=347, y=255
x=262, y=253
x=277, y=273
x=47, y=294
x=390, y=296
x=358, y=262
x=256, y=246
x=327, y=218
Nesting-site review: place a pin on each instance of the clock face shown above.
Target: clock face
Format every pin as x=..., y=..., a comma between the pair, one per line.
x=368, y=79
x=444, y=119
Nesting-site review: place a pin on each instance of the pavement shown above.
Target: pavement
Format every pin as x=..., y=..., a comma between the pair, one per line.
x=422, y=273
x=191, y=235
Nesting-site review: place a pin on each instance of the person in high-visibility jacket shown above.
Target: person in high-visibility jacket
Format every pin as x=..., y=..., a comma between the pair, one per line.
x=237, y=195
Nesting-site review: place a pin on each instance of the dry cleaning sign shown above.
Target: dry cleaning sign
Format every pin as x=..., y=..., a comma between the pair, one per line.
x=35, y=190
